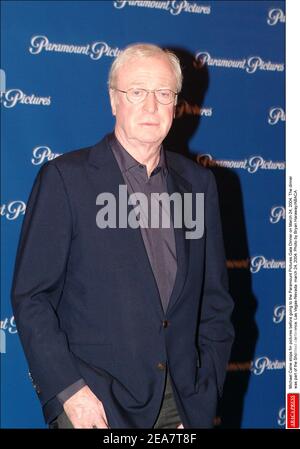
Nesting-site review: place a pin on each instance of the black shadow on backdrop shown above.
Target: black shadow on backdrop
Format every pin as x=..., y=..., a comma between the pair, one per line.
x=188, y=120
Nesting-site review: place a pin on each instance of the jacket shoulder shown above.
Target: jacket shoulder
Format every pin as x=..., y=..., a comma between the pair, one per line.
x=76, y=159
x=71, y=158
x=188, y=169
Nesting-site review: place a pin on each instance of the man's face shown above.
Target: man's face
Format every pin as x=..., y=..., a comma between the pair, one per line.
x=149, y=121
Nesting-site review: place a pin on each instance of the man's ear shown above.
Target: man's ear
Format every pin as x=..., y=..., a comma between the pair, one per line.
x=112, y=101
x=175, y=106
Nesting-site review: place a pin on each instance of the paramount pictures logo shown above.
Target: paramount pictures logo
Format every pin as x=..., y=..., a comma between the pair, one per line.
x=262, y=364
x=277, y=213
x=276, y=114
x=173, y=7
x=249, y=65
x=10, y=98
x=281, y=417
x=275, y=16
x=43, y=154
x=13, y=210
x=260, y=262
x=258, y=366
x=184, y=108
x=278, y=314
x=7, y=325
x=95, y=51
x=255, y=264
x=251, y=165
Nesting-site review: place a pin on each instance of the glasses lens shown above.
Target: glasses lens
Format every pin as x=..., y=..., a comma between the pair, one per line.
x=164, y=96
x=136, y=95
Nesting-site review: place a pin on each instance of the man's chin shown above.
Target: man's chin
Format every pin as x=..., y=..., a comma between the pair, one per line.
x=150, y=137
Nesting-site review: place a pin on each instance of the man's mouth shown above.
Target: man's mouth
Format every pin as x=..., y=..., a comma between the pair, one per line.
x=149, y=124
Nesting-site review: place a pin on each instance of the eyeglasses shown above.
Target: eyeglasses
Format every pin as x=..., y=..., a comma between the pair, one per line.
x=137, y=95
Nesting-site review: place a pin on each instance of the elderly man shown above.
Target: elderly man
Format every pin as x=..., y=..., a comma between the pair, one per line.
x=124, y=326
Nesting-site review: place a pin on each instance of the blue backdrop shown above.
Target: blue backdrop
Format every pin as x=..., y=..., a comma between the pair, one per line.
x=231, y=118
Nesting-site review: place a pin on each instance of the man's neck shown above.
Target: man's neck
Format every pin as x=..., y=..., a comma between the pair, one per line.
x=145, y=153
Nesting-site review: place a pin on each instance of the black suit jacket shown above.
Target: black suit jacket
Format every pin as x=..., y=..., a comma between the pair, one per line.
x=86, y=303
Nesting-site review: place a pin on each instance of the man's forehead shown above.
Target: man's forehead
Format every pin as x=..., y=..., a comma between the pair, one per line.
x=138, y=69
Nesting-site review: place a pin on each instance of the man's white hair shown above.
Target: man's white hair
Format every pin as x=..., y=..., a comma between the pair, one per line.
x=144, y=51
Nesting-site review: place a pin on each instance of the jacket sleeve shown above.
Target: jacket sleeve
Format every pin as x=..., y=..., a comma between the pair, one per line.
x=68, y=392
x=216, y=333
x=38, y=283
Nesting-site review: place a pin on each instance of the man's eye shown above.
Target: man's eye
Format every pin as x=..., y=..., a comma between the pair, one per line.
x=165, y=93
x=137, y=92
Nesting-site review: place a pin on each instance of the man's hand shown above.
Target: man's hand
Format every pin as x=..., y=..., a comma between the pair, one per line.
x=85, y=411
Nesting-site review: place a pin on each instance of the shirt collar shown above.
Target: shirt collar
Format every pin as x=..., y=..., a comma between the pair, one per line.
x=127, y=161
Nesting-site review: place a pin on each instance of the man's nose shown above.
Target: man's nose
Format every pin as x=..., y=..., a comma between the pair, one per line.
x=150, y=102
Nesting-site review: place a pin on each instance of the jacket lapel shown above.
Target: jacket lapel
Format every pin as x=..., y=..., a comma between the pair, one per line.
x=177, y=183
x=106, y=176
